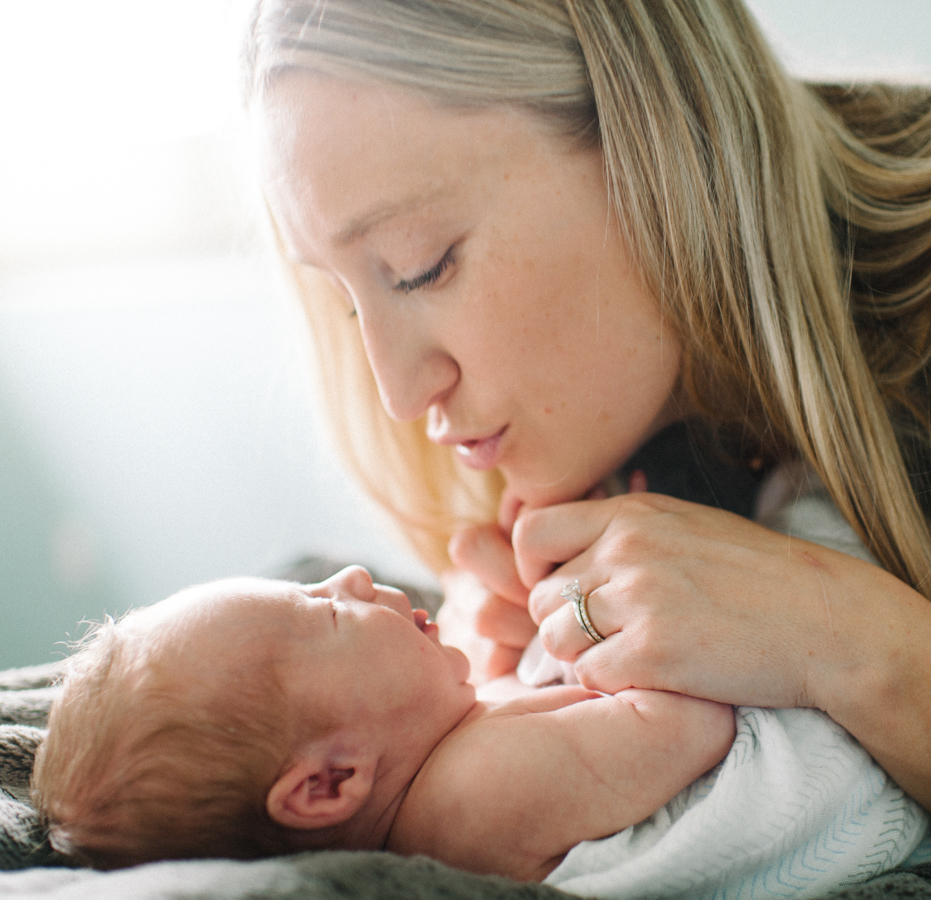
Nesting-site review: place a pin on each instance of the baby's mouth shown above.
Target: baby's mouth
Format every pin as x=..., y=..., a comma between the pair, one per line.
x=421, y=617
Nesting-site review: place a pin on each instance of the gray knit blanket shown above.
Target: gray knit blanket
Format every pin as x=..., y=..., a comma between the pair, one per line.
x=31, y=870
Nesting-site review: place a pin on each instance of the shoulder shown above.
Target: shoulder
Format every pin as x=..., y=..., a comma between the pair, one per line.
x=474, y=803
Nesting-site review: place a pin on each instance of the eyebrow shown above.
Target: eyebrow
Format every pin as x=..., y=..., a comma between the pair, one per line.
x=358, y=227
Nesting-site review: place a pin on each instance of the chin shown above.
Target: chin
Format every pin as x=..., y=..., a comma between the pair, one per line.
x=536, y=496
x=535, y=493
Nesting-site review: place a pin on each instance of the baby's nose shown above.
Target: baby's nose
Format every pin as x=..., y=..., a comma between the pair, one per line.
x=355, y=581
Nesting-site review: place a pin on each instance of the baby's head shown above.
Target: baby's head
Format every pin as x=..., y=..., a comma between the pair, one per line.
x=246, y=718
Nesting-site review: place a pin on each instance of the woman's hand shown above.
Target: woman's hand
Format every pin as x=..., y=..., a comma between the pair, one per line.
x=484, y=613
x=691, y=599
x=704, y=602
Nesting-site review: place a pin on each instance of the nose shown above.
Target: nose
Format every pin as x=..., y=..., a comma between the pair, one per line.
x=355, y=582
x=412, y=370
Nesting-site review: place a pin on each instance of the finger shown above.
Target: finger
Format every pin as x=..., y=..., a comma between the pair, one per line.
x=501, y=661
x=547, y=597
x=551, y=593
x=546, y=537
x=508, y=510
x=605, y=667
x=503, y=622
x=562, y=636
x=484, y=551
x=487, y=660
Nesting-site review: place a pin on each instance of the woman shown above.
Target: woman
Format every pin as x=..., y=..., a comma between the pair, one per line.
x=556, y=228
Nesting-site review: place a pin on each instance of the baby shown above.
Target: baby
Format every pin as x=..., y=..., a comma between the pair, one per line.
x=249, y=718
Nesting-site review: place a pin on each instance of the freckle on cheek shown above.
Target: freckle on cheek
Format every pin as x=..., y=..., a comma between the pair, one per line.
x=548, y=410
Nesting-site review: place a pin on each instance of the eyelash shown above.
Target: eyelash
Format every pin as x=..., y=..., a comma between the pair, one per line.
x=426, y=278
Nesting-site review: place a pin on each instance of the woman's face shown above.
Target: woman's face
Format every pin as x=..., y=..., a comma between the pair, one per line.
x=493, y=291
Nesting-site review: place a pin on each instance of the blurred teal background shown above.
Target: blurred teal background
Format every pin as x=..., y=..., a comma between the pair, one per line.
x=157, y=425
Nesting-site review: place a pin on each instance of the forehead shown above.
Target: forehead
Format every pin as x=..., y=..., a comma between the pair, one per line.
x=347, y=155
x=213, y=643
x=230, y=613
x=234, y=595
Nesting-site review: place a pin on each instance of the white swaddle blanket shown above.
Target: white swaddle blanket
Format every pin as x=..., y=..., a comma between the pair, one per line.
x=797, y=807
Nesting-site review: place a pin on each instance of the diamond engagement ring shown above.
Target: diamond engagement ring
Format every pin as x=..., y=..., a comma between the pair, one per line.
x=573, y=592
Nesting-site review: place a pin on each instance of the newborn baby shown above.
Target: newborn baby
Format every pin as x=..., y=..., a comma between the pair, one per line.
x=248, y=718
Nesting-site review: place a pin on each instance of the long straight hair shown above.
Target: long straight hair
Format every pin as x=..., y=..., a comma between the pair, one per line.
x=785, y=229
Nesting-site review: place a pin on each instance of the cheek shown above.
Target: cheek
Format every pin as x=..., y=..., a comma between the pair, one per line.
x=459, y=664
x=519, y=325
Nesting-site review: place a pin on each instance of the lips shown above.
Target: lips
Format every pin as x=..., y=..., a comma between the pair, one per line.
x=422, y=621
x=481, y=453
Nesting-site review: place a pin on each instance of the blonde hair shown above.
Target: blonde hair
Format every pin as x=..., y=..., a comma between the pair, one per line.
x=142, y=763
x=784, y=228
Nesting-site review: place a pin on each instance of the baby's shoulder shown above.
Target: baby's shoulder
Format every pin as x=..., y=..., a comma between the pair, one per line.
x=482, y=776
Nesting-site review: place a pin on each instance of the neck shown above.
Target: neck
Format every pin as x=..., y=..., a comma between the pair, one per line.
x=501, y=690
x=372, y=826
x=406, y=810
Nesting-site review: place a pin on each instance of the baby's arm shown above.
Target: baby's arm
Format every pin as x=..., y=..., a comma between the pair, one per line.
x=531, y=780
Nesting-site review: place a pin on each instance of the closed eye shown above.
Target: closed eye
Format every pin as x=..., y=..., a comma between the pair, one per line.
x=329, y=602
x=428, y=277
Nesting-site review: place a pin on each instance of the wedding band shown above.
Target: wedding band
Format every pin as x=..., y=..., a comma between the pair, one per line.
x=573, y=592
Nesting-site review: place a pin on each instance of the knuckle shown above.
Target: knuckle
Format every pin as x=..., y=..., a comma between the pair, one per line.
x=644, y=582
x=628, y=545
x=527, y=530
x=553, y=638
x=549, y=637
x=594, y=673
x=538, y=602
x=502, y=661
x=464, y=545
x=604, y=669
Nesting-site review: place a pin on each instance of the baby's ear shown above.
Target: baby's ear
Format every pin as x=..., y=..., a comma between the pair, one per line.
x=316, y=793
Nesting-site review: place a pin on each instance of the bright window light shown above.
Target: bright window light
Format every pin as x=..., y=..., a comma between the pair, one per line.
x=105, y=107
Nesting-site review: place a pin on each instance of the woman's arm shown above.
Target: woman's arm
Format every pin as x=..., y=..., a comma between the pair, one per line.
x=878, y=682
x=706, y=603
